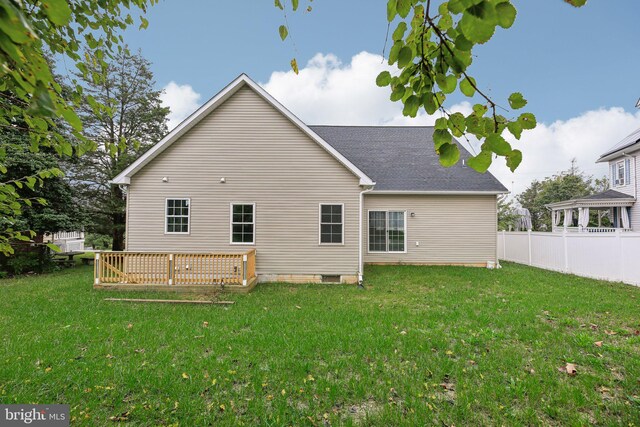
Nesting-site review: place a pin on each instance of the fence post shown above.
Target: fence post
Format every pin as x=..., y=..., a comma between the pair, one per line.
x=96, y=268
x=620, y=253
x=566, y=250
x=529, y=235
x=171, y=270
x=504, y=244
x=244, y=270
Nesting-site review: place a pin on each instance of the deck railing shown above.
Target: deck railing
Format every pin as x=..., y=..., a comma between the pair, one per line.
x=174, y=269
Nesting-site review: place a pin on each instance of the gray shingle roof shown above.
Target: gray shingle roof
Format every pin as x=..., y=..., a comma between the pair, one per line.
x=628, y=141
x=608, y=194
x=402, y=158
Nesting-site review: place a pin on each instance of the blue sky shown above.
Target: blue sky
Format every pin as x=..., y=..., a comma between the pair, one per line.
x=565, y=60
x=577, y=68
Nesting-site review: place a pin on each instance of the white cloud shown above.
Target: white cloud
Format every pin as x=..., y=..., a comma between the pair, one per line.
x=182, y=100
x=329, y=92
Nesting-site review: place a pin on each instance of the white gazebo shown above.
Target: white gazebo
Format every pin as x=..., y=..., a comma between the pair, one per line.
x=611, y=202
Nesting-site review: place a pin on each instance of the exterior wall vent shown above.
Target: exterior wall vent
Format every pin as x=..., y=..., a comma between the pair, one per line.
x=330, y=278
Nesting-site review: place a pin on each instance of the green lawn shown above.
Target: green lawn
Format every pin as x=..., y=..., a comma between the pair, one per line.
x=418, y=346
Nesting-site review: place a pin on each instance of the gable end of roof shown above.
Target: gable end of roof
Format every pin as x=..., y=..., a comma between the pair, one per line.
x=124, y=177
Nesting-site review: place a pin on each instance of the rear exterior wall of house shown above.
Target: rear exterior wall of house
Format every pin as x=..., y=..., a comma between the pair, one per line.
x=265, y=160
x=440, y=229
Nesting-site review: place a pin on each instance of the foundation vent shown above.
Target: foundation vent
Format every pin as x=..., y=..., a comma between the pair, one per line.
x=331, y=278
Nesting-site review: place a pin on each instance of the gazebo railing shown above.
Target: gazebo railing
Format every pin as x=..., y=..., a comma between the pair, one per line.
x=560, y=229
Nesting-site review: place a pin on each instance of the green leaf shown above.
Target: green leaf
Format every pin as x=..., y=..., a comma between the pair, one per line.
x=278, y=4
x=72, y=118
x=429, y=103
x=441, y=137
x=457, y=124
x=445, y=22
x=447, y=83
x=404, y=7
x=476, y=29
x=506, y=14
x=481, y=162
x=53, y=247
x=392, y=10
x=283, y=32
x=466, y=86
x=514, y=159
x=411, y=106
x=527, y=121
x=398, y=34
x=463, y=44
x=294, y=4
x=405, y=56
x=41, y=102
x=441, y=123
x=383, y=79
x=449, y=154
x=497, y=144
x=576, y=3
x=517, y=101
x=397, y=93
x=58, y=11
x=294, y=65
x=515, y=129
x=144, y=23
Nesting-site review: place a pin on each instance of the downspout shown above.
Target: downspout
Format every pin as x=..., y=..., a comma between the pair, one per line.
x=360, y=251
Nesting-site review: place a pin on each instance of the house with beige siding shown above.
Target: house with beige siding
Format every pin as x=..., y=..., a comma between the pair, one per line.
x=315, y=202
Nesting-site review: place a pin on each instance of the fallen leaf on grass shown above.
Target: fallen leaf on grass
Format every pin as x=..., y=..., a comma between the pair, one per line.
x=130, y=326
x=110, y=356
x=185, y=375
x=205, y=324
x=298, y=307
x=403, y=332
x=593, y=327
x=569, y=369
x=610, y=332
x=122, y=417
x=598, y=343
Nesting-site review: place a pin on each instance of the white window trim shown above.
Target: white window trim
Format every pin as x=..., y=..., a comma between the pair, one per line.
x=166, y=217
x=320, y=205
x=622, y=182
x=386, y=227
x=253, y=243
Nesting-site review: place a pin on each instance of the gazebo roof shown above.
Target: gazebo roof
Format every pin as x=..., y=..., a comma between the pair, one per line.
x=606, y=199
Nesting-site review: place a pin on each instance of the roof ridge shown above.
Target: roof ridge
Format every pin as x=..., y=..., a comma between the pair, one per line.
x=373, y=126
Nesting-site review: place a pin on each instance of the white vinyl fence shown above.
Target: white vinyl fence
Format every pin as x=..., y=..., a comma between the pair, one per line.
x=606, y=256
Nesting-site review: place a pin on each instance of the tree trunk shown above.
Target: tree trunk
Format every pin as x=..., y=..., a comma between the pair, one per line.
x=118, y=231
x=118, y=219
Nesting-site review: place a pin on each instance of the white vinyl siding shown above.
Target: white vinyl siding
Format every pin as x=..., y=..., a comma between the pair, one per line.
x=444, y=229
x=265, y=159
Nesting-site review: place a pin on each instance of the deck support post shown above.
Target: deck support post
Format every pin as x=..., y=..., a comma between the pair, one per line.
x=171, y=270
x=96, y=269
x=244, y=270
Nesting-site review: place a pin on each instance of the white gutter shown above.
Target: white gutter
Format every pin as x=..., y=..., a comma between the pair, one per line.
x=444, y=193
x=360, y=263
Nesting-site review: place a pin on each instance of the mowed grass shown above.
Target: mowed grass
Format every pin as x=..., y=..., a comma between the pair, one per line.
x=418, y=346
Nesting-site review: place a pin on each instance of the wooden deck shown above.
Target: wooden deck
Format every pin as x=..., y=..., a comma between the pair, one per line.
x=179, y=272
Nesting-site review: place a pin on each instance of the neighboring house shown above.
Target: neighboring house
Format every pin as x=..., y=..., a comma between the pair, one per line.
x=619, y=200
x=316, y=202
x=67, y=241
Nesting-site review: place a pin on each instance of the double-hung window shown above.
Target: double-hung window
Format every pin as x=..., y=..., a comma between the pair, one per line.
x=621, y=173
x=331, y=224
x=177, y=216
x=387, y=231
x=243, y=223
